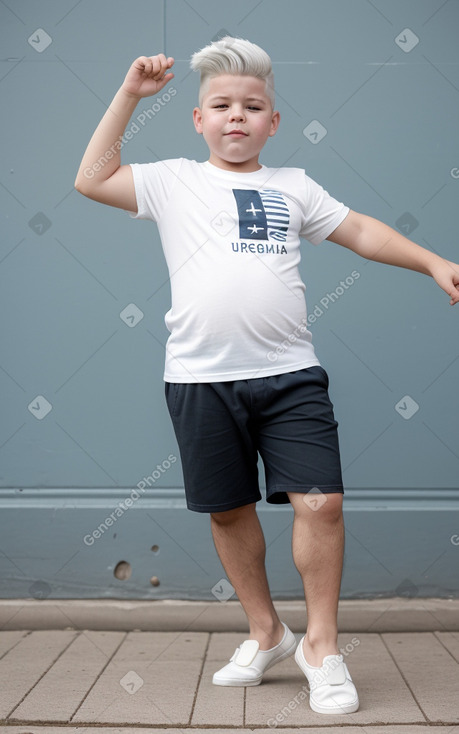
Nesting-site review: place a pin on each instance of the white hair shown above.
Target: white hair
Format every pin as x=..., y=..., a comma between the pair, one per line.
x=233, y=56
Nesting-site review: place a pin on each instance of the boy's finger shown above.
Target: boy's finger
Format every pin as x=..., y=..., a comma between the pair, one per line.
x=162, y=65
x=162, y=61
x=148, y=66
x=157, y=69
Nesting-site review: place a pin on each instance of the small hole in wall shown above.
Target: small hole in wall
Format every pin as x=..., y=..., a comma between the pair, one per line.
x=122, y=570
x=154, y=581
x=155, y=548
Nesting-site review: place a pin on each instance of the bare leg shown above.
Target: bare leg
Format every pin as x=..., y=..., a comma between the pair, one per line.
x=240, y=544
x=318, y=549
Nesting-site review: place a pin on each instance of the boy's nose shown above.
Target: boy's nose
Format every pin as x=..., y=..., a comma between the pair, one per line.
x=236, y=114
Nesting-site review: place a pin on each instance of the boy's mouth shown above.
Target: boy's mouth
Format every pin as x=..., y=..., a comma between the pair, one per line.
x=239, y=133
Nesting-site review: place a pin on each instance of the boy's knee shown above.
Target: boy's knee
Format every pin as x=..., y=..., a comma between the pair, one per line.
x=323, y=505
x=228, y=516
x=333, y=505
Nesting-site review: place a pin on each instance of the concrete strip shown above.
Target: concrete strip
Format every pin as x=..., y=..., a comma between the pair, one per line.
x=374, y=615
x=219, y=705
x=152, y=679
x=24, y=664
x=61, y=690
x=401, y=615
x=431, y=673
x=383, y=695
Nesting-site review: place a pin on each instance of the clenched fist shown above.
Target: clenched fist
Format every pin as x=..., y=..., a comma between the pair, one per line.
x=147, y=75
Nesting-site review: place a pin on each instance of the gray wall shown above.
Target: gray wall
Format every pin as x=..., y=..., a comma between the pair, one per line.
x=69, y=267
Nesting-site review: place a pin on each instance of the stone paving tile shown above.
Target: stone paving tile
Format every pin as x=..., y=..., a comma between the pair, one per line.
x=451, y=641
x=8, y=640
x=152, y=679
x=430, y=671
x=24, y=664
x=60, y=692
x=219, y=705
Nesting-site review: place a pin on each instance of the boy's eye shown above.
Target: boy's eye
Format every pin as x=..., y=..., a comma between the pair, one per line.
x=251, y=107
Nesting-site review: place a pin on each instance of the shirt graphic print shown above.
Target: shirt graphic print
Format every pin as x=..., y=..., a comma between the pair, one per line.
x=263, y=214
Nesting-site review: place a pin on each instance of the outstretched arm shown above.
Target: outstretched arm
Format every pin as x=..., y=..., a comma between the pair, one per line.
x=376, y=241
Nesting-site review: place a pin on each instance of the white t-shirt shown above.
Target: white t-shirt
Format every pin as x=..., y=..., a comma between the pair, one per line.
x=232, y=246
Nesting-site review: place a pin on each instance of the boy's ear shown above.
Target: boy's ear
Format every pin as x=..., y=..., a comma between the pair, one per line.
x=197, y=119
x=275, y=120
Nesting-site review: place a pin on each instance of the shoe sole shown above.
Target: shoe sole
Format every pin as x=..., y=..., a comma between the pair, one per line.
x=237, y=683
x=255, y=681
x=349, y=708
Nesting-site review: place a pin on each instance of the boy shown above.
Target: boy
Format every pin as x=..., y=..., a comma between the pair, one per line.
x=230, y=230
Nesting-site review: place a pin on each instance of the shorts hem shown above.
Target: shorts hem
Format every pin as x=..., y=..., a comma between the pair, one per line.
x=223, y=506
x=278, y=493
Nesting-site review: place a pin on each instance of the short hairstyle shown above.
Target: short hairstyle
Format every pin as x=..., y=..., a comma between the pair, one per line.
x=231, y=55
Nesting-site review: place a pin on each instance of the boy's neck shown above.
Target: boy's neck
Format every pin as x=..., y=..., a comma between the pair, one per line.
x=249, y=166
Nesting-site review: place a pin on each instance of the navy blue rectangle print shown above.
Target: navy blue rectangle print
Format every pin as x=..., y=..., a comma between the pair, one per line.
x=252, y=215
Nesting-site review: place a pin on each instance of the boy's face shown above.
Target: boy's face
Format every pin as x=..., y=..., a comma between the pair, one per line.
x=236, y=102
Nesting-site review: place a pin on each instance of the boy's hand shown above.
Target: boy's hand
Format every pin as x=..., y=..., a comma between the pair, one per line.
x=446, y=274
x=147, y=75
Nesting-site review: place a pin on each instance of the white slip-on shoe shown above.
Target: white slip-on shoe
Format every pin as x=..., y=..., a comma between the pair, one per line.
x=248, y=662
x=331, y=688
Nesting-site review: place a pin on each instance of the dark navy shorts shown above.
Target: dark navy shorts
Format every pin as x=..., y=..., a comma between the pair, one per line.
x=221, y=427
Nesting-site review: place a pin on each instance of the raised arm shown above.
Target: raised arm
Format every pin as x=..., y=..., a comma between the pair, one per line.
x=101, y=176
x=376, y=241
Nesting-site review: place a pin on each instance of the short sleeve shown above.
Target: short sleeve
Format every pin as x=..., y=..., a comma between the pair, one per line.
x=153, y=183
x=322, y=213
